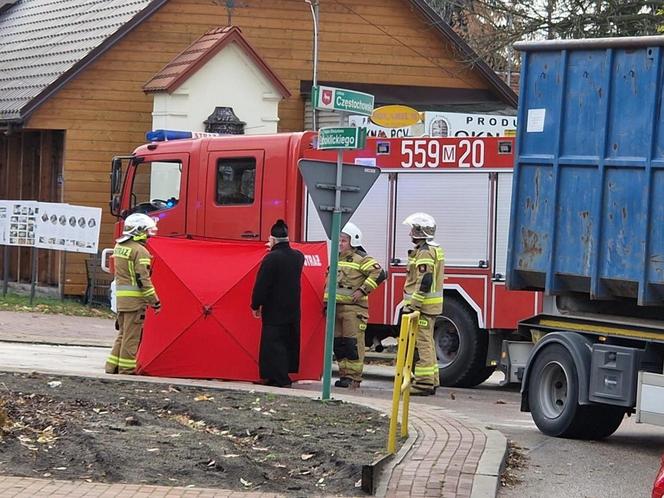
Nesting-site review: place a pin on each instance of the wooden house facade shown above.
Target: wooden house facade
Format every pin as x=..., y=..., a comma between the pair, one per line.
x=58, y=147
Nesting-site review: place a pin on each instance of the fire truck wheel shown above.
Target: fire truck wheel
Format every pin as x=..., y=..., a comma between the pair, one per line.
x=461, y=347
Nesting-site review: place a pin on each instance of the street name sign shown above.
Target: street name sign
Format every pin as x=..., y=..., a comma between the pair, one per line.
x=339, y=99
x=342, y=138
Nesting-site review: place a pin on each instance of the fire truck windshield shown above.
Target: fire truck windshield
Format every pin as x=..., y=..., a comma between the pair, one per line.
x=155, y=186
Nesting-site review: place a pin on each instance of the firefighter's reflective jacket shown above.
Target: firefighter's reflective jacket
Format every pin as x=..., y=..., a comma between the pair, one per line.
x=423, y=289
x=132, y=276
x=356, y=271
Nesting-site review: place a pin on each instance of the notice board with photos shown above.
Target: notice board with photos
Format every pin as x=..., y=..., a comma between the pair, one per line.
x=48, y=225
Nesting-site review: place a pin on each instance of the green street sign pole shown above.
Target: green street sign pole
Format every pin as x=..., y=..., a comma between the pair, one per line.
x=332, y=282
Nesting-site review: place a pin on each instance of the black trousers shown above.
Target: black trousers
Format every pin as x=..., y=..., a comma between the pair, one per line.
x=279, y=353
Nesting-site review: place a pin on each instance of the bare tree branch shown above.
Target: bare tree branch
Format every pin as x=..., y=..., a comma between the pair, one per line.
x=492, y=26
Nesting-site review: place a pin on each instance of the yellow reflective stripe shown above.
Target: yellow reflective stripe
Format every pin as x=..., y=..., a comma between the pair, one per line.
x=424, y=371
x=432, y=300
x=424, y=261
x=129, y=293
x=149, y=292
x=368, y=264
x=126, y=362
x=132, y=271
x=113, y=360
x=347, y=264
x=439, y=258
x=343, y=299
x=371, y=282
x=144, y=261
x=142, y=236
x=354, y=366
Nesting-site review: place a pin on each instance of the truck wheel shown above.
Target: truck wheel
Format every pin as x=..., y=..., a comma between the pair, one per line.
x=602, y=421
x=461, y=347
x=553, y=394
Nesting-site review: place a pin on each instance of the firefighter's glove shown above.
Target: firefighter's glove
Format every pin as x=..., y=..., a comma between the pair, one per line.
x=407, y=309
x=156, y=307
x=357, y=295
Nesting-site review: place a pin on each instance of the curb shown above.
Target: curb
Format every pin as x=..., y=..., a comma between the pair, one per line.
x=491, y=464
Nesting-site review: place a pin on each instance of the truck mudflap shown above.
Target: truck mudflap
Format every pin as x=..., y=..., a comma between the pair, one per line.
x=650, y=398
x=579, y=347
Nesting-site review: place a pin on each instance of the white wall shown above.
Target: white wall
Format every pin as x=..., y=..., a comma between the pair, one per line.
x=229, y=79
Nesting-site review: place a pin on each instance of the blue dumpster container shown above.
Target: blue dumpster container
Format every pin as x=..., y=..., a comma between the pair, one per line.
x=588, y=192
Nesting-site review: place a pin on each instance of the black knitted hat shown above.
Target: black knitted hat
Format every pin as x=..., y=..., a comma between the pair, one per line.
x=279, y=230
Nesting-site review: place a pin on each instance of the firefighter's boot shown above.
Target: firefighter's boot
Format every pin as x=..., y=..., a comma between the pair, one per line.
x=344, y=382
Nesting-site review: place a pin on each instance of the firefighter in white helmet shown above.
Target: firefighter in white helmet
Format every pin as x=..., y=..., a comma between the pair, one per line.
x=134, y=290
x=358, y=275
x=423, y=291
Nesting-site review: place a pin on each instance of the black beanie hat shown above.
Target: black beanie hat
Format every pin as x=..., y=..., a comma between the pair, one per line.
x=279, y=230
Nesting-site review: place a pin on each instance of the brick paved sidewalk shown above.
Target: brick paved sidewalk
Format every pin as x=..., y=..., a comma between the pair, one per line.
x=446, y=456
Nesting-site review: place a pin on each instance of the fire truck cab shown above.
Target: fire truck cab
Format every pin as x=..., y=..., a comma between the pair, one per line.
x=235, y=187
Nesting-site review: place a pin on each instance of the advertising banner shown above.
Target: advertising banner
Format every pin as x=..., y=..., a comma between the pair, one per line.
x=457, y=124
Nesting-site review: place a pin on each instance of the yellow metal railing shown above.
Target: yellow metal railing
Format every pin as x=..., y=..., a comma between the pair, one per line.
x=403, y=376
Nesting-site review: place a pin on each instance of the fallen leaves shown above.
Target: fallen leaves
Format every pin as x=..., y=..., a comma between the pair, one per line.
x=203, y=397
x=199, y=434
x=47, y=436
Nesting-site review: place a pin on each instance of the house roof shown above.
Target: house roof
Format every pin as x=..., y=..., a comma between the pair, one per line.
x=201, y=51
x=45, y=43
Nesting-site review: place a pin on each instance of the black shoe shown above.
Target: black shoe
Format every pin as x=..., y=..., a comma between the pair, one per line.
x=344, y=382
x=422, y=391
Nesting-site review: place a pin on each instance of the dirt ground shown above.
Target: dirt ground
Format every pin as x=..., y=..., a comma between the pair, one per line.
x=110, y=431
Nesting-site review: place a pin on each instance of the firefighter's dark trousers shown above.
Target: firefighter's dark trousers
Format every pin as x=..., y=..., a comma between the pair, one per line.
x=123, y=356
x=351, y=322
x=426, y=366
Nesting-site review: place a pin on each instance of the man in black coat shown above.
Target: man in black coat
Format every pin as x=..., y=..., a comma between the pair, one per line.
x=276, y=299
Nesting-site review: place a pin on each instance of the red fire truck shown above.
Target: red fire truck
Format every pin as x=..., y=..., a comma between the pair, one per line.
x=235, y=187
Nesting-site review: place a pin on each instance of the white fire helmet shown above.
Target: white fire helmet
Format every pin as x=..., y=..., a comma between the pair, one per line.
x=422, y=226
x=354, y=233
x=138, y=225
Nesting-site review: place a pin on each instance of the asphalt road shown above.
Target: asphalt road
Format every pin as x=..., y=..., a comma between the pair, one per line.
x=623, y=465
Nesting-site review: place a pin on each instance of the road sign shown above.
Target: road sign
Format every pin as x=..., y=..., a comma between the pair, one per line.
x=342, y=138
x=320, y=178
x=340, y=99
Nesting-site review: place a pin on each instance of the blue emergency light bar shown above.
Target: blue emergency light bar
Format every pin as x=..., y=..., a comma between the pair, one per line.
x=166, y=135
